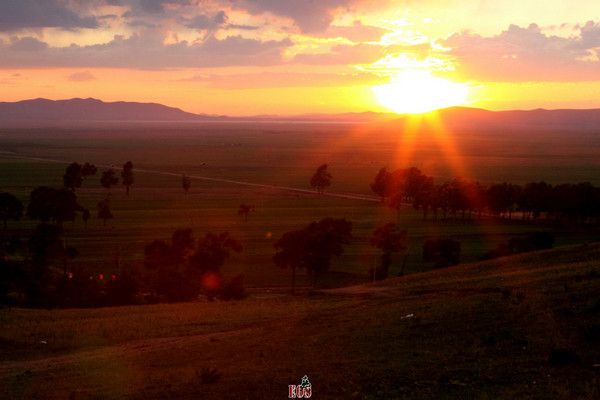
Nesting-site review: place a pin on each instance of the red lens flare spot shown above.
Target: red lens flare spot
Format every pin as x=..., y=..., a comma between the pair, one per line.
x=210, y=281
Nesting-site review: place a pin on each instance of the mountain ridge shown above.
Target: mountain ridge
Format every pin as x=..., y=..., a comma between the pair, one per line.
x=42, y=110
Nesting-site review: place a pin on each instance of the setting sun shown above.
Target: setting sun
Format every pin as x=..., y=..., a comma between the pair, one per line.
x=414, y=92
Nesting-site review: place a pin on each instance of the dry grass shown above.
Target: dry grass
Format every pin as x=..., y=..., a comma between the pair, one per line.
x=474, y=331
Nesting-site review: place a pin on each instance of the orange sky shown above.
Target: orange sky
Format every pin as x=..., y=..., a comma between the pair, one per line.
x=245, y=57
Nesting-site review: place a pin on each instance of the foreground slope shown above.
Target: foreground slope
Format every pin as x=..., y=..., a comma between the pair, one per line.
x=518, y=327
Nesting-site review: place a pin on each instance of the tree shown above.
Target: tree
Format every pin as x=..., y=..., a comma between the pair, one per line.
x=205, y=264
x=104, y=212
x=45, y=241
x=88, y=170
x=127, y=176
x=109, y=179
x=10, y=208
x=75, y=174
x=321, y=179
x=291, y=252
x=186, y=183
x=157, y=255
x=313, y=247
x=164, y=259
x=182, y=245
x=389, y=239
x=73, y=178
x=380, y=185
x=48, y=204
x=245, y=210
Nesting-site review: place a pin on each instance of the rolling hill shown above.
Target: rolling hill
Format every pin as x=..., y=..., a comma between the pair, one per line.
x=524, y=327
x=38, y=112
x=92, y=110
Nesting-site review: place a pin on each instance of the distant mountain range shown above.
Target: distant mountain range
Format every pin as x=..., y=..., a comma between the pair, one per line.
x=38, y=112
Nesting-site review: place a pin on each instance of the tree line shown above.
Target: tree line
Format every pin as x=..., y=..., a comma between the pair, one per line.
x=462, y=199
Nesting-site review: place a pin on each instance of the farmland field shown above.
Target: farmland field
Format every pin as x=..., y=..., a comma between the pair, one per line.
x=283, y=155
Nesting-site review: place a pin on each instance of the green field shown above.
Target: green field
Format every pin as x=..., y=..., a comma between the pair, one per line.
x=284, y=155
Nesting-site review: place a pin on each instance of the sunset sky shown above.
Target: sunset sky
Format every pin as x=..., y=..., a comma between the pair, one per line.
x=246, y=57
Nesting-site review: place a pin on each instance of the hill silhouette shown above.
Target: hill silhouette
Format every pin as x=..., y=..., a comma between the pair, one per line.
x=73, y=111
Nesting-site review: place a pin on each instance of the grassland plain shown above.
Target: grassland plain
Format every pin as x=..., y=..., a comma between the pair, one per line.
x=278, y=155
x=476, y=331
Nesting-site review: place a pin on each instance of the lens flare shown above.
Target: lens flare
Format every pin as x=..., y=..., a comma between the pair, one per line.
x=416, y=92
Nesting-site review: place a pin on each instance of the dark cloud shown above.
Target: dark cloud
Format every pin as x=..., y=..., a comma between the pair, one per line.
x=26, y=44
x=309, y=15
x=528, y=54
x=21, y=14
x=207, y=22
x=147, y=52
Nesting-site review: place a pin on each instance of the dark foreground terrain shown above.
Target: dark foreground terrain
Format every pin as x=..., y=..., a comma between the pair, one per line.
x=519, y=327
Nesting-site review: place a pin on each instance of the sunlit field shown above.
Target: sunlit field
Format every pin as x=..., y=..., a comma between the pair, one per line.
x=284, y=155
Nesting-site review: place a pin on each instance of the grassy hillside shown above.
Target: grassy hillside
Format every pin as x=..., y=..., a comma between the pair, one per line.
x=519, y=327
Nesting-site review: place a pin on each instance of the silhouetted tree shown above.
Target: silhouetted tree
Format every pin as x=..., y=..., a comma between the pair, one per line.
x=205, y=264
x=321, y=179
x=48, y=204
x=313, y=247
x=75, y=174
x=535, y=198
x=104, y=211
x=157, y=254
x=389, y=239
x=127, y=176
x=245, y=210
x=186, y=183
x=502, y=198
x=291, y=252
x=88, y=170
x=10, y=208
x=46, y=245
x=380, y=185
x=166, y=260
x=109, y=179
x=182, y=245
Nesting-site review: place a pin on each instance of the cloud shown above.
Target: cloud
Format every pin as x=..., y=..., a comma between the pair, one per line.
x=357, y=32
x=21, y=14
x=528, y=54
x=309, y=15
x=83, y=76
x=207, y=22
x=27, y=43
x=146, y=52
